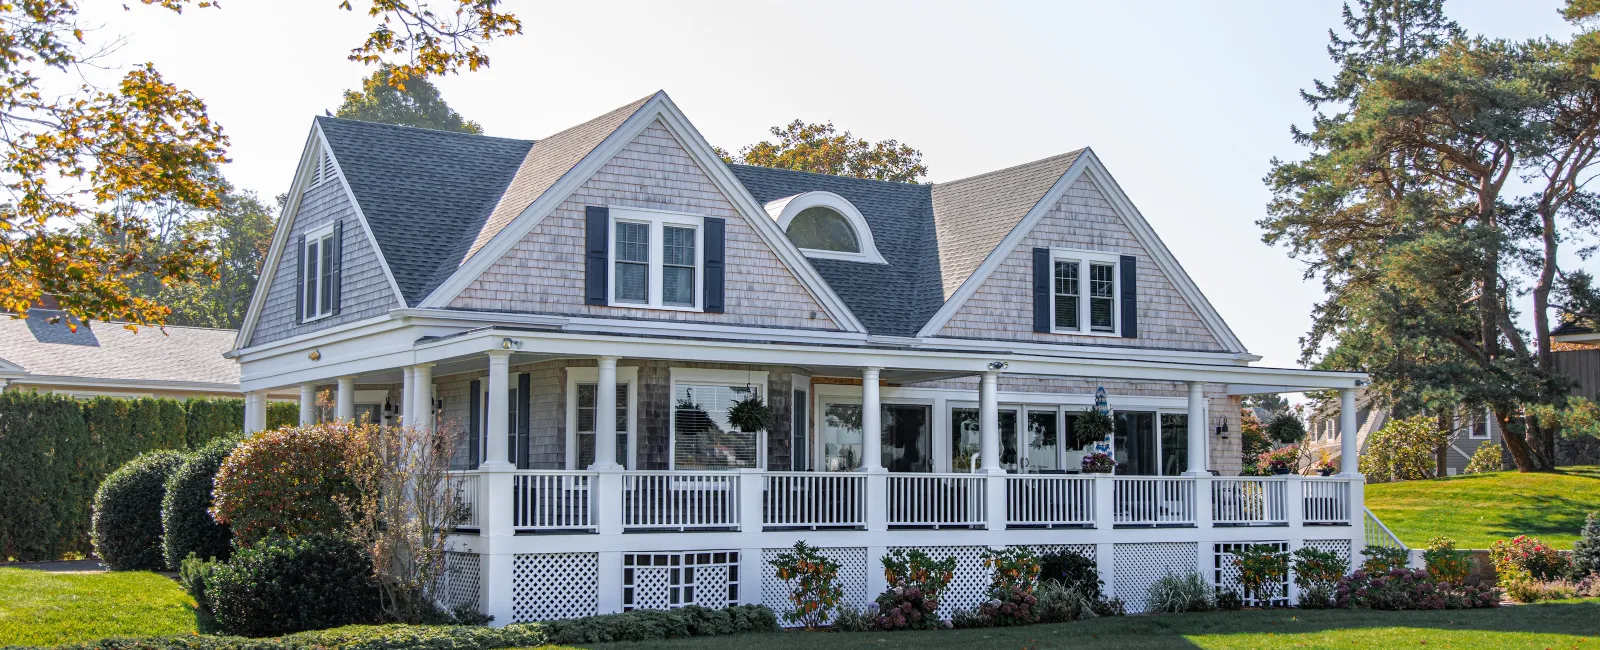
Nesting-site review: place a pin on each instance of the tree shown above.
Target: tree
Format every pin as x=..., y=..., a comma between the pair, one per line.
x=239, y=233
x=73, y=159
x=1269, y=402
x=417, y=104
x=822, y=149
x=1403, y=450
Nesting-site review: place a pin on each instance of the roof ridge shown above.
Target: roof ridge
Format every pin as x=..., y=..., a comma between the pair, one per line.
x=120, y=322
x=351, y=120
x=849, y=178
x=1030, y=163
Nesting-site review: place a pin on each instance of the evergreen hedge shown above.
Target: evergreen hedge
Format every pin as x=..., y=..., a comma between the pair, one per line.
x=186, y=509
x=127, y=512
x=54, y=452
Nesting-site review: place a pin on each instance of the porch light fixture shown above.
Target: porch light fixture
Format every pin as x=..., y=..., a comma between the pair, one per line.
x=316, y=355
x=507, y=344
x=998, y=365
x=1222, y=426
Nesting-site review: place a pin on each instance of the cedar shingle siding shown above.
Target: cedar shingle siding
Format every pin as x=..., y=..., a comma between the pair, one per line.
x=1002, y=307
x=366, y=291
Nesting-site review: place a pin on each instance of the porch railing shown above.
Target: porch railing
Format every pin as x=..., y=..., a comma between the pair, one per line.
x=936, y=500
x=1035, y=500
x=680, y=500
x=543, y=501
x=814, y=500
x=1249, y=501
x=1327, y=501
x=1153, y=501
x=466, y=490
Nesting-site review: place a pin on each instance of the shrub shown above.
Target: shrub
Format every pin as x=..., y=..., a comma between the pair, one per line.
x=1176, y=594
x=653, y=624
x=1011, y=587
x=915, y=582
x=127, y=512
x=1586, y=550
x=1262, y=572
x=1229, y=600
x=1403, y=450
x=193, y=572
x=186, y=523
x=1400, y=589
x=849, y=618
x=1527, y=556
x=1317, y=574
x=1287, y=457
x=350, y=637
x=282, y=585
x=285, y=482
x=1286, y=428
x=907, y=608
x=815, y=587
x=1383, y=559
x=1446, y=564
x=1524, y=589
x=1061, y=604
x=1486, y=459
x=1072, y=571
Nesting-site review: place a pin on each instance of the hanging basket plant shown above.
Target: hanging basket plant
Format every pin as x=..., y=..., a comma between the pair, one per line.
x=1092, y=426
x=750, y=414
x=1286, y=428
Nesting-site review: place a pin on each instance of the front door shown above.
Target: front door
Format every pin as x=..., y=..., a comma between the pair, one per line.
x=1135, y=443
x=907, y=438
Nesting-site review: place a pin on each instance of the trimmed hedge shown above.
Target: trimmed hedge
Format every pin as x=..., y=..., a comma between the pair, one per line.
x=280, y=586
x=55, y=451
x=351, y=637
x=186, y=523
x=651, y=624
x=127, y=512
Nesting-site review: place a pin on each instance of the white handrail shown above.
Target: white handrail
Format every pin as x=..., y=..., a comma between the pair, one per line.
x=1145, y=501
x=814, y=499
x=1034, y=499
x=1380, y=535
x=935, y=499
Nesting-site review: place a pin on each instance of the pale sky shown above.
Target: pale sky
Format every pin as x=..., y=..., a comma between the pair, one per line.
x=1186, y=103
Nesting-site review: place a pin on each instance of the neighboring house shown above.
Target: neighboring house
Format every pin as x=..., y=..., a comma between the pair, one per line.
x=582, y=311
x=108, y=359
x=1577, y=345
x=1324, y=432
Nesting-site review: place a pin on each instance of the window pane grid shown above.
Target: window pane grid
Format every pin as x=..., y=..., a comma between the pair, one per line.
x=702, y=435
x=677, y=259
x=325, y=293
x=586, y=424
x=1102, y=293
x=310, y=279
x=1067, y=294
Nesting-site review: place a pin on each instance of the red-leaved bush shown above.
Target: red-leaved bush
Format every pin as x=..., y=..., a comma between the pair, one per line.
x=286, y=483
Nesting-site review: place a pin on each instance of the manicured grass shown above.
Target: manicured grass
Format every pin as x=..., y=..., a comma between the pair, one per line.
x=40, y=608
x=1477, y=509
x=1573, y=624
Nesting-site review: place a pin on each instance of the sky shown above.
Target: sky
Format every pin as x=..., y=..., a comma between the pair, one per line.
x=1186, y=103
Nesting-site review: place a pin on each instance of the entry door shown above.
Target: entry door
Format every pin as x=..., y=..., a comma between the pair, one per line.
x=1040, y=440
x=1135, y=444
x=907, y=438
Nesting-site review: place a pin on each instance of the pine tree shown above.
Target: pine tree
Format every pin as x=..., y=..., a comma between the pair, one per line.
x=1586, y=551
x=412, y=102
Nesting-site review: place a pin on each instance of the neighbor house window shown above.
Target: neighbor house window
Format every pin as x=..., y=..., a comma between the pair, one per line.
x=656, y=259
x=318, y=269
x=1085, y=292
x=702, y=437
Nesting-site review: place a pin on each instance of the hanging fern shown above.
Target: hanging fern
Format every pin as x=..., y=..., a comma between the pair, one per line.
x=750, y=414
x=1092, y=426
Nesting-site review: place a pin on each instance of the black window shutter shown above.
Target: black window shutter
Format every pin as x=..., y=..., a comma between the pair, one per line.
x=1041, y=290
x=1130, y=296
x=524, y=393
x=716, y=253
x=597, y=233
x=338, y=264
x=299, y=276
x=474, y=421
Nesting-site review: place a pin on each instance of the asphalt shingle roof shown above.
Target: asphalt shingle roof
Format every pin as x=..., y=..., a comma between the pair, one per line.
x=973, y=214
x=110, y=351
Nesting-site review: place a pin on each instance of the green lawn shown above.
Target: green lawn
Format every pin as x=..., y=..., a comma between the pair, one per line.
x=1552, y=625
x=1477, y=509
x=39, y=608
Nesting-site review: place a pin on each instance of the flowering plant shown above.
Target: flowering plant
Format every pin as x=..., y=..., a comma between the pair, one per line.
x=1262, y=572
x=1527, y=556
x=1410, y=589
x=907, y=608
x=816, y=591
x=1011, y=589
x=1445, y=563
x=1098, y=463
x=915, y=582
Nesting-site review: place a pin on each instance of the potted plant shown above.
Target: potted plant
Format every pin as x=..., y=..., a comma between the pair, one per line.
x=1325, y=467
x=1279, y=466
x=750, y=414
x=1098, y=463
x=1092, y=426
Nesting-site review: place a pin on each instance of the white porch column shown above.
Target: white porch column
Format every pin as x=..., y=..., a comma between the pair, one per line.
x=408, y=377
x=255, y=411
x=422, y=396
x=1199, y=456
x=345, y=406
x=308, y=404
x=605, y=418
x=496, y=420
x=1348, y=453
x=871, y=423
x=989, y=422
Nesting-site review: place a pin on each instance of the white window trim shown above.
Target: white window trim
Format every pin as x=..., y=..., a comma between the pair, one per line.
x=626, y=375
x=799, y=383
x=657, y=219
x=786, y=209
x=1084, y=258
x=322, y=235
x=1488, y=424
x=713, y=376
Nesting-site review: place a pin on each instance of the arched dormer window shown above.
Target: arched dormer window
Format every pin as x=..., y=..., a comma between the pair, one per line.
x=824, y=225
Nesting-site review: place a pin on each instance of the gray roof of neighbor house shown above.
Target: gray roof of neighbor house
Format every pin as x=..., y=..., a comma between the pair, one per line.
x=108, y=351
x=433, y=199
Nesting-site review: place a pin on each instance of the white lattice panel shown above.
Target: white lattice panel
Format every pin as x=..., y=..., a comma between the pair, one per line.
x=652, y=589
x=551, y=586
x=671, y=580
x=1137, y=566
x=969, y=585
x=1085, y=550
x=1226, y=575
x=458, y=585
x=1339, y=547
x=852, y=578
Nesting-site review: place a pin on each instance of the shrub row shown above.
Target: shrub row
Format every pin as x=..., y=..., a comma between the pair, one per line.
x=651, y=624
x=55, y=451
x=353, y=637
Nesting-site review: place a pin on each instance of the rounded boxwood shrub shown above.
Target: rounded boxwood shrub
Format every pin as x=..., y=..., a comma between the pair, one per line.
x=286, y=482
x=287, y=585
x=186, y=523
x=127, y=512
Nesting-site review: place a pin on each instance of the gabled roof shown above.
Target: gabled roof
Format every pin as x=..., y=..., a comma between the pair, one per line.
x=973, y=214
x=426, y=194
x=108, y=351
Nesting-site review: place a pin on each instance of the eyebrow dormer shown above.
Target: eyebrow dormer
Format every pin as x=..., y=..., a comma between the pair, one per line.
x=824, y=225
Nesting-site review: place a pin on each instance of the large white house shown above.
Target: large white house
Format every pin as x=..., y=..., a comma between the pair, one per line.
x=584, y=309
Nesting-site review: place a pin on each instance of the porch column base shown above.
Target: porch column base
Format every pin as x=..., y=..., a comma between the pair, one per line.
x=877, y=502
x=609, y=582
x=994, y=493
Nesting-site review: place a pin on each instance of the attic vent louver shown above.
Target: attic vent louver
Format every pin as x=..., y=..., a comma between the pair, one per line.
x=327, y=172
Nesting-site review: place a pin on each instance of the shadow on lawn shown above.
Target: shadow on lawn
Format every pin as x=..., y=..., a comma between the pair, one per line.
x=1555, y=516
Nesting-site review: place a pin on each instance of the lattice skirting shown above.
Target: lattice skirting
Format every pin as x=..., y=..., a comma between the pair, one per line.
x=551, y=586
x=1226, y=576
x=968, y=586
x=1339, y=547
x=1137, y=566
x=852, y=578
x=458, y=585
x=671, y=580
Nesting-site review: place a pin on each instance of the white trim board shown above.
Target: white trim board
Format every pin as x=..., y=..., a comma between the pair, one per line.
x=1089, y=165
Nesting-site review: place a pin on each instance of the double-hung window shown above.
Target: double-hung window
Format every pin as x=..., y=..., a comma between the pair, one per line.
x=583, y=415
x=318, y=273
x=657, y=259
x=1085, y=293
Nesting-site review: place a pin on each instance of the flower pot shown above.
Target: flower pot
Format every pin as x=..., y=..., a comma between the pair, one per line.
x=1280, y=471
x=1326, y=471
